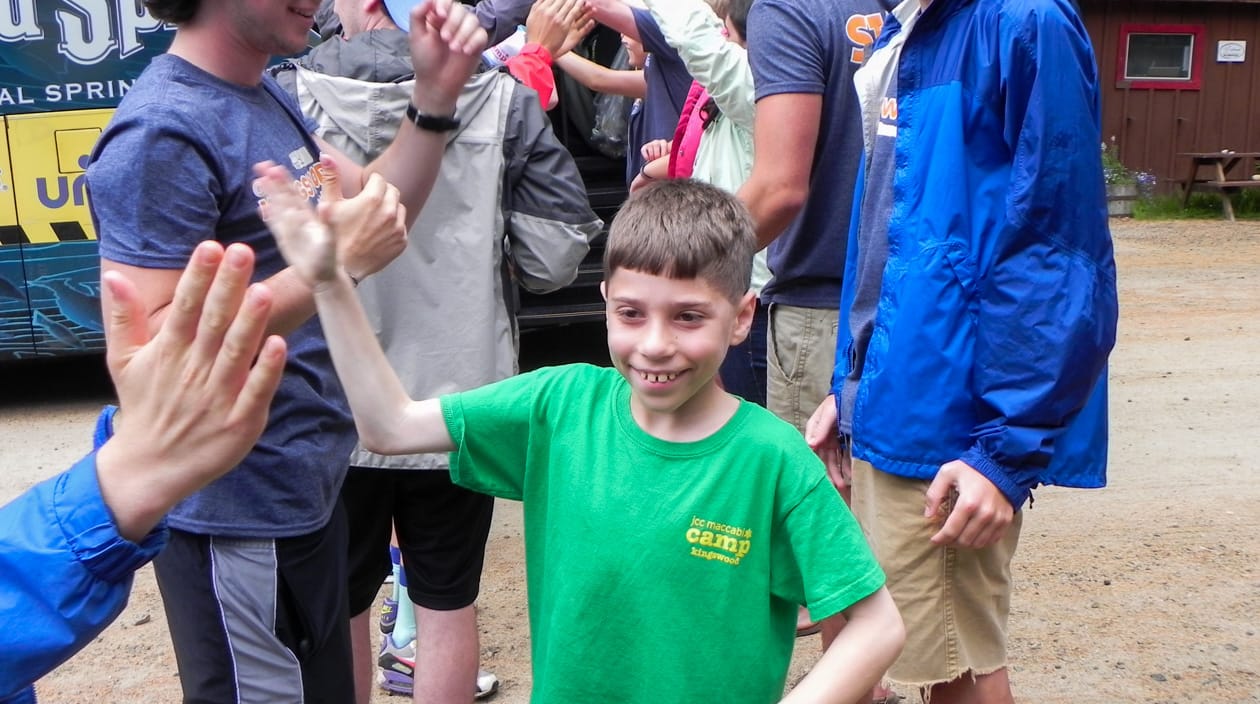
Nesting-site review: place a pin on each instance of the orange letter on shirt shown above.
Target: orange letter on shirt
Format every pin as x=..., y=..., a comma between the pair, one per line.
x=862, y=31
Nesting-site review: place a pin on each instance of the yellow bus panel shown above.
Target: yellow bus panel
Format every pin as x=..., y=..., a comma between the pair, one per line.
x=49, y=154
x=8, y=207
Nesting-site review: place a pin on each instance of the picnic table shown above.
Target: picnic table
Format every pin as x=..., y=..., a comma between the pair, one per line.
x=1219, y=177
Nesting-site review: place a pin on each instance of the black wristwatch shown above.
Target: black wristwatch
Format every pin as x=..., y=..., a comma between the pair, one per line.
x=430, y=123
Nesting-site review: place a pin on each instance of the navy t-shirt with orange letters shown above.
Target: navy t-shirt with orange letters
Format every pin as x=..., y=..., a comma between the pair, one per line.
x=175, y=167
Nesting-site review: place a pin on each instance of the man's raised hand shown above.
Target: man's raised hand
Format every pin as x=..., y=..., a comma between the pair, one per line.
x=446, y=44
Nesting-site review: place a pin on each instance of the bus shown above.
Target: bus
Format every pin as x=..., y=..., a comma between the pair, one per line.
x=64, y=65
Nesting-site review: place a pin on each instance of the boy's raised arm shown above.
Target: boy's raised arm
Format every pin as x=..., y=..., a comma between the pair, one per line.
x=859, y=656
x=388, y=420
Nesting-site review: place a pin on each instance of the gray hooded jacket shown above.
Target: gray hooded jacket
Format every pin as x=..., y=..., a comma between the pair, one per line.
x=508, y=207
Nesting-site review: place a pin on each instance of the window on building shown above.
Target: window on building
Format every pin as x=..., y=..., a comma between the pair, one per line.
x=1160, y=56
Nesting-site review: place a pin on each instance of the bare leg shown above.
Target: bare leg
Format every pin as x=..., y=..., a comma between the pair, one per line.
x=993, y=688
x=364, y=657
x=447, y=652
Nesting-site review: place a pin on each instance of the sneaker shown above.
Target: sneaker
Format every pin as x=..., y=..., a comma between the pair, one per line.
x=398, y=667
x=389, y=615
x=487, y=684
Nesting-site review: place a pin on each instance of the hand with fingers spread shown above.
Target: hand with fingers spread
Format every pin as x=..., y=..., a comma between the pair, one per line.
x=193, y=399
x=980, y=513
x=558, y=25
x=305, y=240
x=580, y=26
x=446, y=45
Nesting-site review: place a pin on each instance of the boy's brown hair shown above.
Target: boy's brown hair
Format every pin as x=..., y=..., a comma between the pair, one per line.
x=684, y=229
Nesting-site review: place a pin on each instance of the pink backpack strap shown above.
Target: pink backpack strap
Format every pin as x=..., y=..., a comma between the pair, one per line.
x=682, y=156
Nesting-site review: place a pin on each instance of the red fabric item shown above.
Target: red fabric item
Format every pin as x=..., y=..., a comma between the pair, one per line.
x=532, y=66
x=682, y=156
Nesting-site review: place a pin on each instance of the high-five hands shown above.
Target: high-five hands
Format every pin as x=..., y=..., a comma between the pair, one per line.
x=370, y=229
x=304, y=238
x=194, y=397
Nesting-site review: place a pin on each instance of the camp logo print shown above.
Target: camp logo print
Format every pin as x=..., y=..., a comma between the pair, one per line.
x=711, y=540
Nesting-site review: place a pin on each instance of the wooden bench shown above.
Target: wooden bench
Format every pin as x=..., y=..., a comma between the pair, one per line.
x=1221, y=164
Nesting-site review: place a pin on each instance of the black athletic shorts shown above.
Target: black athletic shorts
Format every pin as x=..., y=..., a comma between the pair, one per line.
x=259, y=620
x=442, y=530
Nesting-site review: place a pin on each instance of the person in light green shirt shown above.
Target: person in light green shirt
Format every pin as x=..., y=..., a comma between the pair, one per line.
x=670, y=528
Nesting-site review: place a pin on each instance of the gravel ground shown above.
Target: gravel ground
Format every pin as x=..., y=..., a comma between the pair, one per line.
x=1146, y=591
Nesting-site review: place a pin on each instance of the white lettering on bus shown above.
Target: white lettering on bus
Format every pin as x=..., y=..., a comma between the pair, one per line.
x=15, y=96
x=91, y=90
x=86, y=26
x=18, y=21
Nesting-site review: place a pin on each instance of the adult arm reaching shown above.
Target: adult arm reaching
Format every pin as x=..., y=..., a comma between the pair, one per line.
x=193, y=400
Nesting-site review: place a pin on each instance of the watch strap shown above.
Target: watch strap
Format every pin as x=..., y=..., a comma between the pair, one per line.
x=430, y=123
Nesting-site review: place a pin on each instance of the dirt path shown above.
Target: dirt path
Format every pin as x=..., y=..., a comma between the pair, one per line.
x=1147, y=591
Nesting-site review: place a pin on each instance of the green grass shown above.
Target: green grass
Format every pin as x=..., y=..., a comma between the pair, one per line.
x=1202, y=206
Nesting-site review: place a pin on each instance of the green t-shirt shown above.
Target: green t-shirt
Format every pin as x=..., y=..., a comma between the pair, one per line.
x=658, y=571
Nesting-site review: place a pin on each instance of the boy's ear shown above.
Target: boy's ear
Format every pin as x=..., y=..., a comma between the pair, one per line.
x=603, y=290
x=744, y=311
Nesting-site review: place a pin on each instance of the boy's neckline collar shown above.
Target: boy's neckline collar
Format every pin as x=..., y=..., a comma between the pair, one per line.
x=728, y=430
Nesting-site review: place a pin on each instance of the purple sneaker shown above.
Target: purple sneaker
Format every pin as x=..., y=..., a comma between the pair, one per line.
x=398, y=666
x=389, y=615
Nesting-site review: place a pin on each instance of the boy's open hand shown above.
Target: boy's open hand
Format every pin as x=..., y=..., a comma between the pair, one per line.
x=304, y=239
x=193, y=398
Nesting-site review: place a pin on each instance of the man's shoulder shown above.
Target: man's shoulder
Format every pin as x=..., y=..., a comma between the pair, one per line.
x=1025, y=13
x=822, y=11
x=170, y=87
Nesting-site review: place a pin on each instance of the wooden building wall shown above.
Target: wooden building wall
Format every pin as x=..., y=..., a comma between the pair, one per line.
x=1151, y=127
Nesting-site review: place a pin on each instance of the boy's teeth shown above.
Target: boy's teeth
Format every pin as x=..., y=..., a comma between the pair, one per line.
x=659, y=378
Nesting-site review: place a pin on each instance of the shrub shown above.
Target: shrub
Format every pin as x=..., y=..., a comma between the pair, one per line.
x=1202, y=206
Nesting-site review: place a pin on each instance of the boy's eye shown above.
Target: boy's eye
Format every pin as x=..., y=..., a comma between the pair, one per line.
x=690, y=316
x=628, y=314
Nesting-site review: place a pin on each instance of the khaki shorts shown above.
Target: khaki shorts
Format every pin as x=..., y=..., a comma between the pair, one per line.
x=954, y=601
x=800, y=357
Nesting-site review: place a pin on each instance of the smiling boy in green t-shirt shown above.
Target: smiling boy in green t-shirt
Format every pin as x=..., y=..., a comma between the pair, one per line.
x=670, y=528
